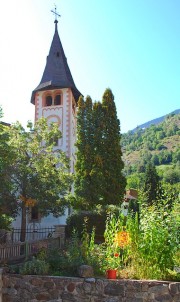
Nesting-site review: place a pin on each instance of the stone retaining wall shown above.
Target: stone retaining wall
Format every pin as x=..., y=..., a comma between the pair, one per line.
x=17, y=288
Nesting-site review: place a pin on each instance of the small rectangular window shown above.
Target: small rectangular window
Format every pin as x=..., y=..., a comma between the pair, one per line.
x=57, y=100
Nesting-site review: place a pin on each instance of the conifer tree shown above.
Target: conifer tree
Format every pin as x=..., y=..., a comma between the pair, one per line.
x=114, y=181
x=98, y=178
x=98, y=152
x=84, y=181
x=152, y=186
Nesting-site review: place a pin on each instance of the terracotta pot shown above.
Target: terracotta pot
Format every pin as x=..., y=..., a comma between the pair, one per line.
x=111, y=273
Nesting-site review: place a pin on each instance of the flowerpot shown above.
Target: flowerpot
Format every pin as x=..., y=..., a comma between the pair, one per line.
x=111, y=273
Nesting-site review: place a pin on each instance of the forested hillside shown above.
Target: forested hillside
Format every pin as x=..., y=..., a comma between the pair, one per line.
x=159, y=144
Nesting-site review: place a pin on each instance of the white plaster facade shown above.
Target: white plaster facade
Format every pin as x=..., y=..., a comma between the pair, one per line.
x=64, y=115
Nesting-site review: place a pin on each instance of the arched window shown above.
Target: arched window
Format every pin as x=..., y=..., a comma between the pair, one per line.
x=57, y=100
x=49, y=100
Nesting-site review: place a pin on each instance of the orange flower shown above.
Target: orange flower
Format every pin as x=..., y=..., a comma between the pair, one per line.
x=116, y=255
x=122, y=238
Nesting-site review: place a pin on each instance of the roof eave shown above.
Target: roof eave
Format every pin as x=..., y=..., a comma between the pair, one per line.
x=76, y=93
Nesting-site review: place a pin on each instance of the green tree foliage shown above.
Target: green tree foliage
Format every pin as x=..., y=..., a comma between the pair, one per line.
x=6, y=155
x=5, y=221
x=170, y=194
x=176, y=157
x=85, y=181
x=152, y=186
x=38, y=172
x=135, y=181
x=172, y=175
x=114, y=182
x=159, y=143
x=99, y=178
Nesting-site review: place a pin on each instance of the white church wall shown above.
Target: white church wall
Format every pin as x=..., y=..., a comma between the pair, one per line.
x=43, y=222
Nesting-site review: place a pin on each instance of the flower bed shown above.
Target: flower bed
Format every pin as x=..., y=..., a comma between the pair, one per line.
x=117, y=251
x=145, y=247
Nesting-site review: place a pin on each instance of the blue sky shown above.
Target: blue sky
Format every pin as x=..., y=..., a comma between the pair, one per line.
x=130, y=46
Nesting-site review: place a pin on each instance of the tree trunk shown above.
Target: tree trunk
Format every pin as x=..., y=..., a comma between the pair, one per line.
x=23, y=224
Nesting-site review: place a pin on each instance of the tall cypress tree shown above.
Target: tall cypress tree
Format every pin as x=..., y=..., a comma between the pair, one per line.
x=80, y=162
x=114, y=181
x=98, y=178
x=84, y=181
x=98, y=152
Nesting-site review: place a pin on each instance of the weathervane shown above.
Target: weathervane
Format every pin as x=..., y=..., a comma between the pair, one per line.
x=55, y=14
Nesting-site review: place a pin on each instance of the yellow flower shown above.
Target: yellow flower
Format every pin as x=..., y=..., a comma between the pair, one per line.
x=122, y=239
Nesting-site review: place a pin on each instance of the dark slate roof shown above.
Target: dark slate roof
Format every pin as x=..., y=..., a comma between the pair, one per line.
x=56, y=73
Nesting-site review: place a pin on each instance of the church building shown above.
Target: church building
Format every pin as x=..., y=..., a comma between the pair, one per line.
x=55, y=98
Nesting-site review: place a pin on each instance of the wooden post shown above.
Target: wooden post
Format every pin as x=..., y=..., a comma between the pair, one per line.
x=26, y=250
x=1, y=284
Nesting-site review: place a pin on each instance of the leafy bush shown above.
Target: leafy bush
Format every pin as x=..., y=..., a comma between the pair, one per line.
x=65, y=262
x=42, y=254
x=73, y=253
x=54, y=259
x=76, y=221
x=5, y=221
x=35, y=267
x=94, y=220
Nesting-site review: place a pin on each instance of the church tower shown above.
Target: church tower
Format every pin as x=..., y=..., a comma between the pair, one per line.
x=56, y=96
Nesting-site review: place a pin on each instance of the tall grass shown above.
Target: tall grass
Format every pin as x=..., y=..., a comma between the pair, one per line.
x=154, y=242
x=152, y=249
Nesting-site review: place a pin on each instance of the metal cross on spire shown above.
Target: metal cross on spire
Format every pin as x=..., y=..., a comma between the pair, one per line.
x=55, y=14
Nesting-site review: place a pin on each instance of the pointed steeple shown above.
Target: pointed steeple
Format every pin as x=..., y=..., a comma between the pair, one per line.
x=56, y=73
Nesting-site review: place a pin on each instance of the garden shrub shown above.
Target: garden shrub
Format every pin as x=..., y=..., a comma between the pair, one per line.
x=66, y=261
x=5, y=222
x=42, y=254
x=73, y=253
x=54, y=259
x=94, y=219
x=35, y=267
x=97, y=220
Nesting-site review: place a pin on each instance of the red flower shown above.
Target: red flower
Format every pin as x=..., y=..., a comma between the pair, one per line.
x=116, y=255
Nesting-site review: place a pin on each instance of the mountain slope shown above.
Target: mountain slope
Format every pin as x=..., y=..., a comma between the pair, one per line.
x=158, y=143
x=155, y=121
